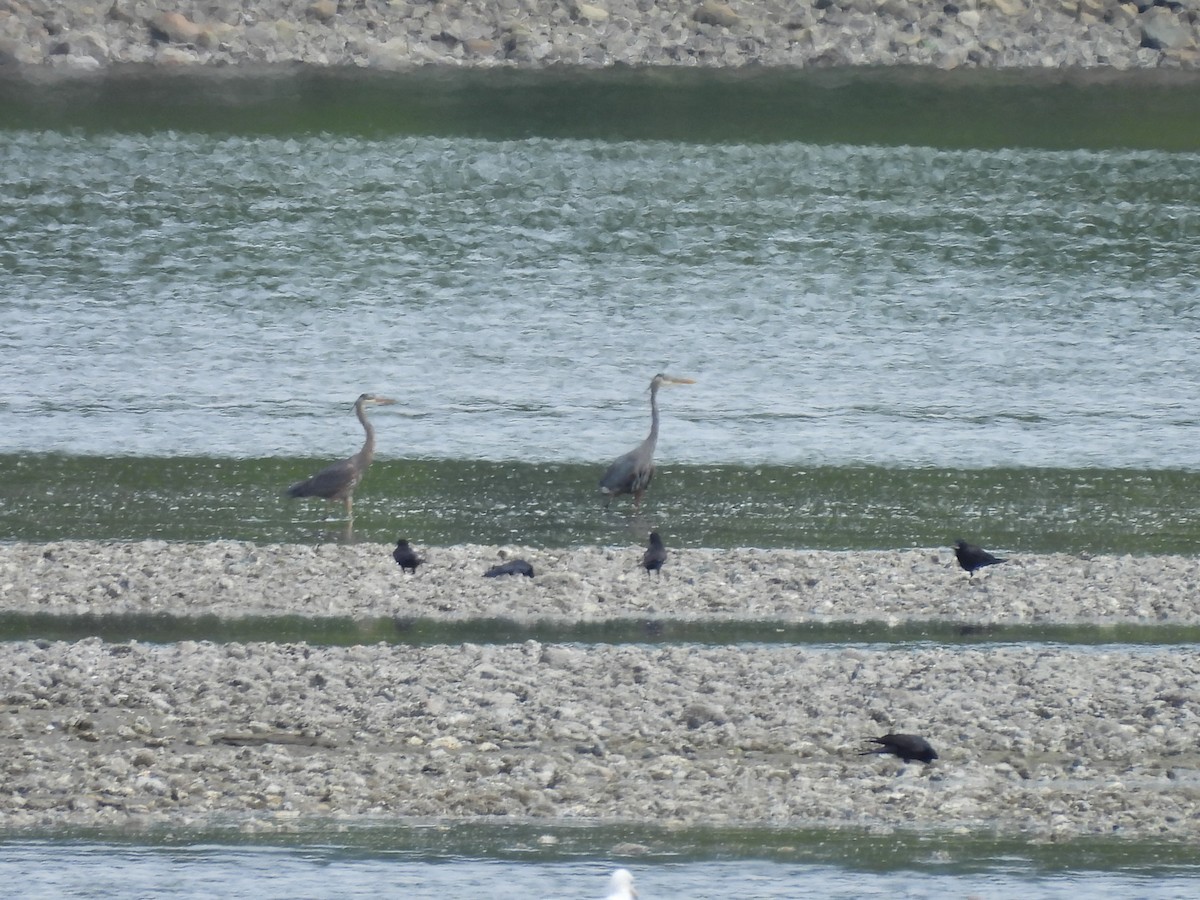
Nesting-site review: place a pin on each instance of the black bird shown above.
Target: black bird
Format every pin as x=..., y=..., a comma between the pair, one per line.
x=971, y=557
x=906, y=746
x=655, y=555
x=406, y=557
x=512, y=567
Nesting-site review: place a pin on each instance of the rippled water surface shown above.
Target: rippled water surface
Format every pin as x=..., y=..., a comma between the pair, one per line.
x=96, y=869
x=173, y=294
x=913, y=310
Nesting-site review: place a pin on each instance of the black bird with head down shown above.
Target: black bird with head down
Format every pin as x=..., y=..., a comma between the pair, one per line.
x=406, y=557
x=655, y=555
x=972, y=558
x=512, y=567
x=908, y=747
x=632, y=472
x=338, y=481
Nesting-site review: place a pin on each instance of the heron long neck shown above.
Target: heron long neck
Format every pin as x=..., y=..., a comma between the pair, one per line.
x=652, y=438
x=367, y=453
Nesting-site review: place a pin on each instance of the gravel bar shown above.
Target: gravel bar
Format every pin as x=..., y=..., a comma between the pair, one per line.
x=1043, y=740
x=234, y=579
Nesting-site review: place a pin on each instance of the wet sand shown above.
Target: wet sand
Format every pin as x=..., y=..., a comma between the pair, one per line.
x=1043, y=740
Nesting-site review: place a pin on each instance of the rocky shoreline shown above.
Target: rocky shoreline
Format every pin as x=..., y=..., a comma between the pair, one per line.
x=1048, y=741
x=92, y=36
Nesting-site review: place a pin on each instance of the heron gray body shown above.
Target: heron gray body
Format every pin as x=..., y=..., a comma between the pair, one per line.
x=632, y=472
x=338, y=480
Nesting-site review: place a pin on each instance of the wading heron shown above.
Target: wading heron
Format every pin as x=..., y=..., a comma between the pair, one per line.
x=338, y=481
x=631, y=473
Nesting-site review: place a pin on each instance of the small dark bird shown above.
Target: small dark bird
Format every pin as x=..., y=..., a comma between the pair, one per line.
x=906, y=746
x=655, y=555
x=971, y=557
x=512, y=567
x=406, y=557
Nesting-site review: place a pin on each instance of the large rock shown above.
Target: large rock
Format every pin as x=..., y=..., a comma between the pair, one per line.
x=713, y=12
x=174, y=27
x=322, y=10
x=587, y=12
x=1163, y=29
x=1010, y=8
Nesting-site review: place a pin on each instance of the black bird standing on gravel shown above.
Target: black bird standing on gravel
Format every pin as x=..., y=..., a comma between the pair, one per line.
x=512, y=567
x=655, y=555
x=906, y=746
x=971, y=557
x=406, y=557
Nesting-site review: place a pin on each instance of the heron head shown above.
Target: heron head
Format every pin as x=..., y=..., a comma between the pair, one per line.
x=661, y=379
x=375, y=400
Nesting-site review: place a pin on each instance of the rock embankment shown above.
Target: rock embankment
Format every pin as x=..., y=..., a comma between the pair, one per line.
x=92, y=35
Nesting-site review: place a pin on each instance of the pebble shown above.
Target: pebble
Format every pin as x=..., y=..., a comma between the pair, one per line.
x=588, y=584
x=1045, y=741
x=86, y=37
x=1041, y=742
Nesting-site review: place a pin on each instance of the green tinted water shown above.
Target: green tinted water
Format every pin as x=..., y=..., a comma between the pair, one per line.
x=916, y=306
x=344, y=632
x=180, y=294
x=441, y=502
x=982, y=109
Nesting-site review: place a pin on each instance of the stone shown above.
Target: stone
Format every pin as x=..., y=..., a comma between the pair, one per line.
x=588, y=12
x=322, y=10
x=1010, y=8
x=174, y=27
x=713, y=12
x=1163, y=29
x=479, y=47
x=119, y=12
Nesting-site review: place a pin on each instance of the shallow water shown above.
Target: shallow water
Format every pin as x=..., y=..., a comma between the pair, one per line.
x=445, y=502
x=892, y=344
x=96, y=869
x=344, y=631
x=183, y=294
x=914, y=309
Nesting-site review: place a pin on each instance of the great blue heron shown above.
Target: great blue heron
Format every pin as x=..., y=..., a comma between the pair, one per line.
x=906, y=746
x=655, y=555
x=406, y=557
x=972, y=558
x=338, y=481
x=631, y=473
